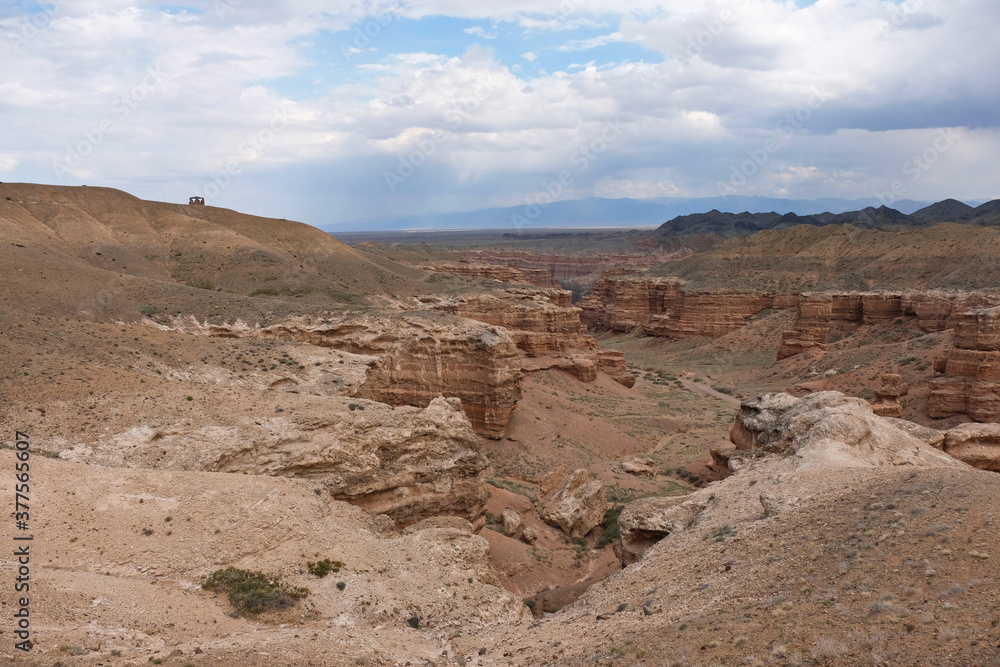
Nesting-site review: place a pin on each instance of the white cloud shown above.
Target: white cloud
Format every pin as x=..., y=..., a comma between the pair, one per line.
x=731, y=74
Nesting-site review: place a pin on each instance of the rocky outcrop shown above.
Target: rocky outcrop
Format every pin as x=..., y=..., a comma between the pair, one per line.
x=812, y=325
x=971, y=382
x=886, y=402
x=836, y=428
x=578, y=506
x=646, y=521
x=661, y=307
x=612, y=363
x=709, y=314
x=417, y=357
x=934, y=311
x=500, y=272
x=975, y=444
x=545, y=327
x=624, y=304
x=407, y=463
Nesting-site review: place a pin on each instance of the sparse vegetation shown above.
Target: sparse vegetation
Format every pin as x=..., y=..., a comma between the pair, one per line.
x=324, y=567
x=251, y=593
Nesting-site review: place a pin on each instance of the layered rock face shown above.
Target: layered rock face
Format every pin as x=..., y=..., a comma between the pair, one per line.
x=624, y=304
x=612, y=362
x=971, y=382
x=418, y=357
x=501, y=272
x=407, y=463
x=545, y=327
x=564, y=267
x=935, y=311
x=886, y=402
x=710, y=314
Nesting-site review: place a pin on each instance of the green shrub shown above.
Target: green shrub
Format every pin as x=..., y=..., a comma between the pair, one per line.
x=147, y=309
x=324, y=567
x=252, y=593
x=609, y=526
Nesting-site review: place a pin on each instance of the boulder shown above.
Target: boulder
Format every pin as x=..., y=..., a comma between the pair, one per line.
x=578, y=506
x=510, y=521
x=638, y=466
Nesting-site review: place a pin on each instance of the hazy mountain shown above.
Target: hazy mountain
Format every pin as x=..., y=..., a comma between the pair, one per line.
x=598, y=212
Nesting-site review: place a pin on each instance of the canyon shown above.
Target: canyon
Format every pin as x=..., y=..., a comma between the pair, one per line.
x=667, y=471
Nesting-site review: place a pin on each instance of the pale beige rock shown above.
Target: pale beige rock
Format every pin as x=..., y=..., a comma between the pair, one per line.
x=510, y=521
x=646, y=521
x=408, y=463
x=638, y=466
x=529, y=535
x=578, y=506
x=832, y=428
x=975, y=444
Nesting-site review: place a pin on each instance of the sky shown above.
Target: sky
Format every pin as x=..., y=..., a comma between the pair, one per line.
x=326, y=112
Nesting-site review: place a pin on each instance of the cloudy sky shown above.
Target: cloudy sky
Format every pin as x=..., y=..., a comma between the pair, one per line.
x=325, y=111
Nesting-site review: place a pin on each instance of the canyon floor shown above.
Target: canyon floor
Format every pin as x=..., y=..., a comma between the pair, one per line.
x=205, y=390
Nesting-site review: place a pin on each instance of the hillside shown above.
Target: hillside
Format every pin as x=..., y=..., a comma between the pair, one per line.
x=107, y=253
x=806, y=257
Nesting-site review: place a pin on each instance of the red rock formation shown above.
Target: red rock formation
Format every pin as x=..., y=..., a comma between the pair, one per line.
x=612, y=362
x=710, y=314
x=624, y=304
x=812, y=325
x=886, y=402
x=661, y=307
x=545, y=327
x=972, y=370
x=935, y=311
x=418, y=357
x=503, y=273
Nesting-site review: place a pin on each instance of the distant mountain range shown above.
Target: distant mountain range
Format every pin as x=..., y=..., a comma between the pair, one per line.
x=598, y=212
x=881, y=218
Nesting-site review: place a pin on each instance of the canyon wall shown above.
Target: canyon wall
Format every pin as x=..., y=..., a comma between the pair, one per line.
x=971, y=381
x=545, y=327
x=661, y=307
x=501, y=272
x=934, y=311
x=566, y=267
